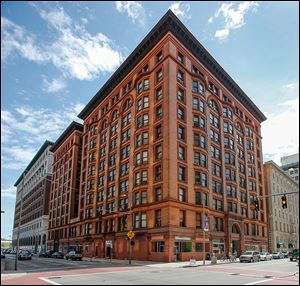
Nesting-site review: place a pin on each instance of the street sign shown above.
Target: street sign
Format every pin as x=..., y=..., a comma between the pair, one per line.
x=206, y=224
x=130, y=234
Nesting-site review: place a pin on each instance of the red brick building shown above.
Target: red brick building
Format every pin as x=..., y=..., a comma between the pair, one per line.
x=64, y=194
x=169, y=139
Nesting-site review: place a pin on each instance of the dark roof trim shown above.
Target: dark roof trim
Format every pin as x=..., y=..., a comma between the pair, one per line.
x=170, y=23
x=72, y=127
x=35, y=158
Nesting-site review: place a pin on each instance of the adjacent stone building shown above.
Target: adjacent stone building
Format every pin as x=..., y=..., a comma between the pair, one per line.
x=283, y=223
x=168, y=140
x=33, y=188
x=64, y=195
x=290, y=164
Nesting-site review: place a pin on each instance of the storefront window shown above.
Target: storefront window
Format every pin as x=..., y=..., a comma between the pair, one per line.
x=186, y=246
x=218, y=247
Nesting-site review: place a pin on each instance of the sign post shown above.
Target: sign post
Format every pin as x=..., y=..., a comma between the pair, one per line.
x=130, y=235
x=205, y=228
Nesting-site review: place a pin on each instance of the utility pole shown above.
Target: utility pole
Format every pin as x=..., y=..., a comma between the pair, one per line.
x=20, y=216
x=130, y=231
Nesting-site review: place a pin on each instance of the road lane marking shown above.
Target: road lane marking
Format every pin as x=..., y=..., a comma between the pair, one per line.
x=261, y=281
x=49, y=281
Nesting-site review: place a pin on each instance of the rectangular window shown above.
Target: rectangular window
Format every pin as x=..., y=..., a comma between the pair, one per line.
x=181, y=174
x=181, y=133
x=182, y=197
x=158, y=131
x=158, y=173
x=180, y=112
x=159, y=75
x=159, y=56
x=180, y=57
x=182, y=218
x=159, y=94
x=158, y=152
x=180, y=77
x=157, y=194
x=180, y=95
x=159, y=246
x=157, y=218
x=181, y=153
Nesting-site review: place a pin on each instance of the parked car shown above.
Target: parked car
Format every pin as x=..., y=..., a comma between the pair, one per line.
x=74, y=255
x=43, y=254
x=2, y=254
x=58, y=255
x=250, y=256
x=49, y=253
x=294, y=255
x=285, y=254
x=265, y=256
x=24, y=255
x=277, y=255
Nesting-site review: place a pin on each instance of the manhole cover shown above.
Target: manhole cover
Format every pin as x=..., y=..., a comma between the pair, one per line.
x=268, y=276
x=54, y=277
x=235, y=273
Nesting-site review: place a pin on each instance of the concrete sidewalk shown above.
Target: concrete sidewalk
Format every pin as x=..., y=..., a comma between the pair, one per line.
x=155, y=263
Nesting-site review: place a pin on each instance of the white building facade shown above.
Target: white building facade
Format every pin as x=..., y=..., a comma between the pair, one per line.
x=33, y=188
x=290, y=164
x=283, y=223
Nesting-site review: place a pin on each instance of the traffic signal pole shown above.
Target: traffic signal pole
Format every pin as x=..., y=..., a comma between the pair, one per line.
x=274, y=195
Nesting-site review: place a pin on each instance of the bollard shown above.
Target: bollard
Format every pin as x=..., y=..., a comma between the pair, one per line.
x=214, y=260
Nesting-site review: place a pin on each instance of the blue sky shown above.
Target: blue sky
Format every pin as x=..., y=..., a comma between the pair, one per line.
x=55, y=56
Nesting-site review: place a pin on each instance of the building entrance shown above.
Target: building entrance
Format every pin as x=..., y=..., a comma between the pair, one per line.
x=235, y=247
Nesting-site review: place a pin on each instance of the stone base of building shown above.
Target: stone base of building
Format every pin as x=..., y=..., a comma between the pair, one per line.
x=160, y=247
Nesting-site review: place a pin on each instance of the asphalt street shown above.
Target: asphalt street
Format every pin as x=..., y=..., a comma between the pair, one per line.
x=41, y=264
x=48, y=271
x=280, y=272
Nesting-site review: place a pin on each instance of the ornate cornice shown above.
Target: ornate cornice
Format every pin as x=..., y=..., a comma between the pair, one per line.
x=72, y=127
x=170, y=23
x=35, y=158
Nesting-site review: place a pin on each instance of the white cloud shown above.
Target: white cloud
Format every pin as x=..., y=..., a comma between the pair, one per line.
x=15, y=38
x=222, y=34
x=8, y=193
x=74, y=51
x=54, y=86
x=291, y=86
x=181, y=10
x=281, y=131
x=133, y=9
x=28, y=130
x=233, y=15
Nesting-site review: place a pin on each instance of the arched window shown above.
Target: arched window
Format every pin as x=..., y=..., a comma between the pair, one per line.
x=239, y=127
x=104, y=124
x=235, y=229
x=127, y=104
x=115, y=115
x=213, y=105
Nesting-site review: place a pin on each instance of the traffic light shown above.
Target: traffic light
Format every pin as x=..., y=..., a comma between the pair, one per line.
x=256, y=204
x=283, y=202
